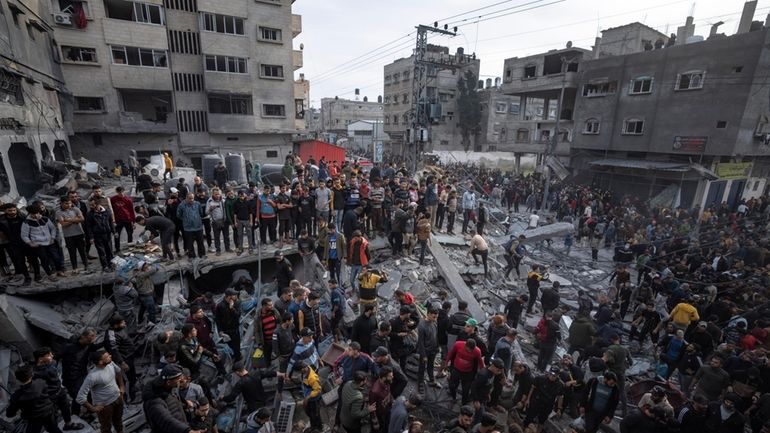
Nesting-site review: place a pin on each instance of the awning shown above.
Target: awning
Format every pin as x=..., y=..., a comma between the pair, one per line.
x=641, y=164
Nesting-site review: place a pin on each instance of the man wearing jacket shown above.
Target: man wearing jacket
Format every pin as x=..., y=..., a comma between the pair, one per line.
x=189, y=212
x=600, y=401
x=32, y=400
x=123, y=207
x=122, y=348
x=311, y=395
x=39, y=234
x=215, y=209
x=358, y=256
x=334, y=251
x=99, y=221
x=244, y=212
x=162, y=406
x=466, y=360
x=227, y=315
x=46, y=369
x=10, y=226
x=427, y=349
x=353, y=412
x=267, y=320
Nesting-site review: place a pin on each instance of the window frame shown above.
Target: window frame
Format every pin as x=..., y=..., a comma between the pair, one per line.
x=154, y=54
x=643, y=78
x=66, y=59
x=632, y=120
x=524, y=75
x=677, y=85
x=232, y=101
x=83, y=3
x=587, y=130
x=145, y=9
x=610, y=90
x=263, y=67
x=227, y=62
x=519, y=131
x=210, y=19
x=502, y=110
x=78, y=110
x=260, y=35
x=276, y=116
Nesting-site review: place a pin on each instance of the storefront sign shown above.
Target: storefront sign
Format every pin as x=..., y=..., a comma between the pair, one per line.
x=690, y=143
x=733, y=170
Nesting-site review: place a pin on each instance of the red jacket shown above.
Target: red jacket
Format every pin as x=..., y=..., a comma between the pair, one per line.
x=123, y=208
x=464, y=361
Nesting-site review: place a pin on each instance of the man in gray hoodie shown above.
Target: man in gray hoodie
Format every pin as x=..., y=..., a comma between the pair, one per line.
x=427, y=348
x=39, y=234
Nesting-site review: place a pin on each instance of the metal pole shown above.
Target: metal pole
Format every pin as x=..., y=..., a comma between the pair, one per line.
x=552, y=147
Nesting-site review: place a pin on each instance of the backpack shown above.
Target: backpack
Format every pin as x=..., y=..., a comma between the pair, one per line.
x=508, y=245
x=541, y=330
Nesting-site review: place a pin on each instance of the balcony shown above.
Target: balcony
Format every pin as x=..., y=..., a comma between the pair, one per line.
x=232, y=124
x=296, y=25
x=131, y=121
x=133, y=34
x=146, y=111
x=140, y=77
x=297, y=57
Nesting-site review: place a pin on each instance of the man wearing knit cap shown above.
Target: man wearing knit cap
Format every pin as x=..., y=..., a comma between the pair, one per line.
x=163, y=408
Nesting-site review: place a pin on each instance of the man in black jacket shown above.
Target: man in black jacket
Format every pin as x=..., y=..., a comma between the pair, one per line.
x=250, y=386
x=74, y=358
x=163, y=409
x=102, y=228
x=122, y=348
x=227, y=316
x=488, y=385
x=363, y=327
x=45, y=369
x=34, y=403
x=10, y=226
x=283, y=271
x=600, y=401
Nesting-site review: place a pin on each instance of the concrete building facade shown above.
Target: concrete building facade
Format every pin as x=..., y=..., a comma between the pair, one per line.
x=337, y=114
x=301, y=103
x=189, y=77
x=363, y=134
x=537, y=81
x=33, y=128
x=688, y=121
x=440, y=96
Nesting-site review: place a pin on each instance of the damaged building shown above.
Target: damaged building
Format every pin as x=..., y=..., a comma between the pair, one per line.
x=33, y=125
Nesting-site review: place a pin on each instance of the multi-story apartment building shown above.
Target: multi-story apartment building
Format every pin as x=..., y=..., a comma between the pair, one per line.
x=32, y=128
x=301, y=103
x=440, y=98
x=499, y=113
x=185, y=76
x=689, y=122
x=537, y=82
x=337, y=114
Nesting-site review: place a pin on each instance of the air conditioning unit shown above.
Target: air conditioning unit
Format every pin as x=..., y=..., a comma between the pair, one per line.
x=62, y=19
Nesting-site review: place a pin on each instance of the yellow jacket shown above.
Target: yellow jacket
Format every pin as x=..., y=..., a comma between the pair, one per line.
x=311, y=385
x=684, y=314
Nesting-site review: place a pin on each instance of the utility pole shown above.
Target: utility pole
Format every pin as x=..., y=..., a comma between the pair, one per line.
x=420, y=107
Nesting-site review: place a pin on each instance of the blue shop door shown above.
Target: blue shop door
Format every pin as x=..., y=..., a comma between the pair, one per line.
x=715, y=194
x=736, y=191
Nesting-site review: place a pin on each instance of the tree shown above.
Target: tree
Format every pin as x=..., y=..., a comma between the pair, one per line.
x=468, y=108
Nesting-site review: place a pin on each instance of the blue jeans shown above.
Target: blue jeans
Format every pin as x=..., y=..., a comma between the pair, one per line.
x=354, y=271
x=424, y=245
x=147, y=303
x=338, y=217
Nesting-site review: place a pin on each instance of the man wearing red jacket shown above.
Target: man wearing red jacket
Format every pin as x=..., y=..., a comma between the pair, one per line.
x=123, y=212
x=466, y=360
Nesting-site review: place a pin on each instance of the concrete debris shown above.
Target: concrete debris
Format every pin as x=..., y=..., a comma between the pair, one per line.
x=552, y=231
x=450, y=239
x=388, y=288
x=99, y=314
x=15, y=329
x=42, y=316
x=448, y=269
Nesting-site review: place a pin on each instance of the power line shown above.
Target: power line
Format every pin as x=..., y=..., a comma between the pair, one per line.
x=475, y=10
x=494, y=12
x=365, y=54
x=513, y=13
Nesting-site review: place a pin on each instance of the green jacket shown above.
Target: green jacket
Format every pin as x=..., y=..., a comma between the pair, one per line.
x=354, y=412
x=580, y=332
x=229, y=209
x=342, y=246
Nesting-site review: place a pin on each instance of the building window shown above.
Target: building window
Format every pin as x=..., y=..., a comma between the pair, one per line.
x=396, y=77
x=387, y=120
x=271, y=154
x=501, y=107
x=633, y=126
x=405, y=98
x=74, y=6
x=508, y=73
x=273, y=110
x=522, y=135
x=406, y=76
x=738, y=70
x=229, y=64
x=591, y=126
x=395, y=119
x=230, y=104
x=87, y=104
x=640, y=86
x=530, y=71
x=721, y=124
x=10, y=88
x=223, y=24
x=387, y=100
x=182, y=5
x=78, y=54
x=271, y=71
x=690, y=80
x=592, y=90
x=269, y=34
x=148, y=14
x=134, y=56
x=515, y=108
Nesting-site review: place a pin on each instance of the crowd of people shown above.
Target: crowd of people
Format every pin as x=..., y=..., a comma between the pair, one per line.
x=690, y=285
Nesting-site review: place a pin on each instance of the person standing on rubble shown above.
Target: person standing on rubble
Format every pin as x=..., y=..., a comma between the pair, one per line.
x=549, y=335
x=163, y=227
x=46, y=369
x=334, y=251
x=358, y=257
x=545, y=396
x=619, y=361
x=533, y=284
x=105, y=384
x=32, y=400
x=397, y=227
x=189, y=212
x=513, y=310
x=102, y=227
x=267, y=320
x=142, y=279
x=10, y=225
x=465, y=360
x=423, y=234
x=215, y=209
x=249, y=385
x=427, y=349
x=123, y=207
x=71, y=219
x=39, y=234
x=74, y=359
x=469, y=204
x=163, y=408
x=312, y=268
x=479, y=247
x=122, y=349
x=227, y=315
x=451, y=209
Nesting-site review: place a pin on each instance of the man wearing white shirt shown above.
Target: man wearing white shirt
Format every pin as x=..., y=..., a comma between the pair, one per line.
x=533, y=220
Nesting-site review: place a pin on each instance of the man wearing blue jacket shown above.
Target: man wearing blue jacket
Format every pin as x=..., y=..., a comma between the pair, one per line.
x=189, y=212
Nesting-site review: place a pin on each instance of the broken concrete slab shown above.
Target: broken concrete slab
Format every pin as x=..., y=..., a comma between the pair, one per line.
x=15, y=329
x=99, y=313
x=388, y=288
x=450, y=239
x=448, y=269
x=41, y=315
x=551, y=231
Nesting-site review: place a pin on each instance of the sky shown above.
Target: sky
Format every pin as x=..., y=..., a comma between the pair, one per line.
x=346, y=43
